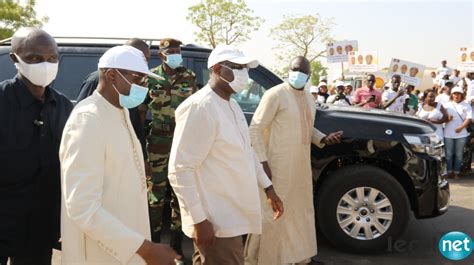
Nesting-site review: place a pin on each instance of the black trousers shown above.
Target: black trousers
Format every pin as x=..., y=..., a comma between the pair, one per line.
x=29, y=259
x=467, y=155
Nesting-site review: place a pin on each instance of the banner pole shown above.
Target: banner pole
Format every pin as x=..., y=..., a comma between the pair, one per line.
x=342, y=69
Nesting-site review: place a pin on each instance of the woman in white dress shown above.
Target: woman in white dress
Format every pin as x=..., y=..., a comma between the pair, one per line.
x=433, y=112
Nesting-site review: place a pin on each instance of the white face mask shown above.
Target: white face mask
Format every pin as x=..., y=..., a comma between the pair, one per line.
x=40, y=74
x=240, y=82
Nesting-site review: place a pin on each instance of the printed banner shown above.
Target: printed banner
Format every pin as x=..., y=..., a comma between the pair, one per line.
x=363, y=62
x=338, y=51
x=466, y=59
x=411, y=73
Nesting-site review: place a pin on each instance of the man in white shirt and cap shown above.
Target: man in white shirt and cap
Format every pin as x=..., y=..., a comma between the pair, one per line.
x=467, y=83
x=104, y=213
x=282, y=131
x=446, y=92
x=348, y=92
x=213, y=168
x=339, y=98
x=455, y=78
x=444, y=69
x=394, y=98
x=443, y=79
x=314, y=91
x=322, y=93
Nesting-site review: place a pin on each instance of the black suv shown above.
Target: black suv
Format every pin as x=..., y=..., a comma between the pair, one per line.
x=365, y=188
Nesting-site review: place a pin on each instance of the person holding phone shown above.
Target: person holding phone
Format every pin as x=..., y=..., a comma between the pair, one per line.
x=368, y=96
x=339, y=98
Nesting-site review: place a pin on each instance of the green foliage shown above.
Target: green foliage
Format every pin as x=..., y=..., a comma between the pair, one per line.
x=14, y=16
x=223, y=21
x=317, y=70
x=302, y=35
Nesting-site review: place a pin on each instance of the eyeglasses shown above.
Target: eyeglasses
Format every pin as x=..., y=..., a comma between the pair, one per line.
x=234, y=66
x=140, y=79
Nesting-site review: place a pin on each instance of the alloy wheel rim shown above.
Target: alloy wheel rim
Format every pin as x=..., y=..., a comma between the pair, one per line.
x=364, y=213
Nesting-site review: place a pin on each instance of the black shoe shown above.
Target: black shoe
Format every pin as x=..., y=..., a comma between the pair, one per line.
x=176, y=236
x=315, y=262
x=156, y=237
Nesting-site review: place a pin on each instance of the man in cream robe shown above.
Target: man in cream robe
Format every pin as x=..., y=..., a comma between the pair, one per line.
x=282, y=131
x=104, y=215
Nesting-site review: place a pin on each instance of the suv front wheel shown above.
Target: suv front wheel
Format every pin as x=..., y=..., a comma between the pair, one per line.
x=360, y=208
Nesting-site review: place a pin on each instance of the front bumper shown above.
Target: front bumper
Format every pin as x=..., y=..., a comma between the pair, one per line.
x=433, y=190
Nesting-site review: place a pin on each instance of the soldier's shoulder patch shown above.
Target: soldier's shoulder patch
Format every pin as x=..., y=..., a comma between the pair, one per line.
x=190, y=73
x=155, y=70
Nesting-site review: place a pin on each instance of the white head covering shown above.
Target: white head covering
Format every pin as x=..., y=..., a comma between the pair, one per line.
x=229, y=53
x=457, y=90
x=126, y=58
x=313, y=89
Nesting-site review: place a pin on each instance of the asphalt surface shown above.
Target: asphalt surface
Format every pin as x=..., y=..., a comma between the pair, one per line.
x=418, y=245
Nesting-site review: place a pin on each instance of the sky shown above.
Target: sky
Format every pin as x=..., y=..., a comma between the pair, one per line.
x=423, y=32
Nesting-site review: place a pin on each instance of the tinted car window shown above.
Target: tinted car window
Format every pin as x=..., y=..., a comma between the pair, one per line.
x=7, y=68
x=154, y=62
x=72, y=71
x=250, y=97
x=202, y=73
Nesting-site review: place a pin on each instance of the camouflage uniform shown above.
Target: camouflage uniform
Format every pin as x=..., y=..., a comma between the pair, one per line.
x=163, y=99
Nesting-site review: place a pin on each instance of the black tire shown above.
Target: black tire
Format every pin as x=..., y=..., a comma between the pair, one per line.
x=344, y=180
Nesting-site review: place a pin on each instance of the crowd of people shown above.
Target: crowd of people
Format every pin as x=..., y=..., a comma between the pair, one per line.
x=448, y=105
x=88, y=180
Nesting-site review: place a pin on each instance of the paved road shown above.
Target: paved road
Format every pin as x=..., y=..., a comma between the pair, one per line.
x=423, y=235
x=418, y=246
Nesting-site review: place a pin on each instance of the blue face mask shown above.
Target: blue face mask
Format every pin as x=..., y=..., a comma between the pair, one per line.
x=134, y=98
x=297, y=79
x=174, y=60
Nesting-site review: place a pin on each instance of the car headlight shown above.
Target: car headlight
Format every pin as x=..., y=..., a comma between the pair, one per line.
x=429, y=144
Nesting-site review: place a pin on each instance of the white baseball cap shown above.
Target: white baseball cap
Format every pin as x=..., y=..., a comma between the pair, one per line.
x=313, y=89
x=322, y=84
x=229, y=53
x=339, y=83
x=126, y=58
x=457, y=89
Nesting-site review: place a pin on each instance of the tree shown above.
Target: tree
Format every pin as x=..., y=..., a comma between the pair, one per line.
x=14, y=16
x=223, y=21
x=317, y=70
x=302, y=35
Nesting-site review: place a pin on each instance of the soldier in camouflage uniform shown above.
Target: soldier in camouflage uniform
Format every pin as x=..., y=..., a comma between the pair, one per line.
x=164, y=97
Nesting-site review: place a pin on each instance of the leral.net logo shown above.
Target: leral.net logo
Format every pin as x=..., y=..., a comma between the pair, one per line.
x=455, y=245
